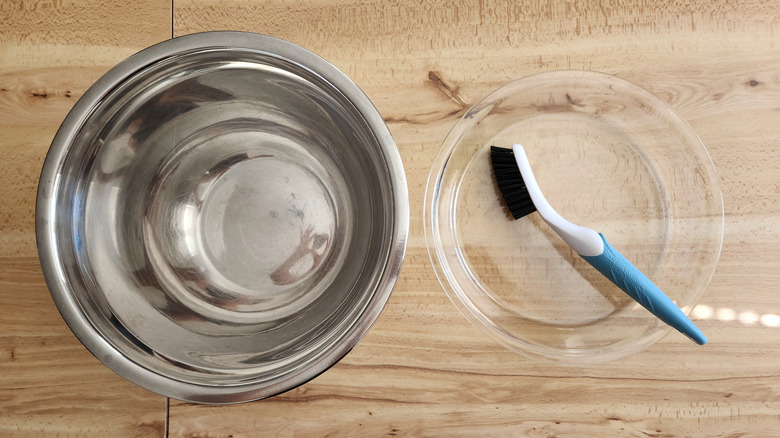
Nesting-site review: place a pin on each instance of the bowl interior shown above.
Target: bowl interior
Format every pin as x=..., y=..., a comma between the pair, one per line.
x=607, y=155
x=226, y=217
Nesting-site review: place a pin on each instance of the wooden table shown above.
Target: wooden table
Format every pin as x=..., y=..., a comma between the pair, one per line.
x=423, y=370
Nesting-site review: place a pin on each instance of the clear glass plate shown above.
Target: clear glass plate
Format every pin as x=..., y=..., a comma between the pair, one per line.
x=607, y=155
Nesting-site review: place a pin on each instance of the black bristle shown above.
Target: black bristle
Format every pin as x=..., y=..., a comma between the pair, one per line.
x=510, y=182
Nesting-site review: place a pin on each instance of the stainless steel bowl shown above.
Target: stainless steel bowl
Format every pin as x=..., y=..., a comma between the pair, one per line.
x=221, y=217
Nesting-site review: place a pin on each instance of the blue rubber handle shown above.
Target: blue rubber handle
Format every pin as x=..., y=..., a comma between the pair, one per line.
x=633, y=282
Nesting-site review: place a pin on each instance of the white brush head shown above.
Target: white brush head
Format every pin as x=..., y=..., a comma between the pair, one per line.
x=582, y=239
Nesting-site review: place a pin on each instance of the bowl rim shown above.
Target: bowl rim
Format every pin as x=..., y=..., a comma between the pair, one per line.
x=441, y=266
x=47, y=195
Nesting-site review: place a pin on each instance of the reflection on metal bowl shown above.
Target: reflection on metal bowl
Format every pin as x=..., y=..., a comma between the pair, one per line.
x=221, y=217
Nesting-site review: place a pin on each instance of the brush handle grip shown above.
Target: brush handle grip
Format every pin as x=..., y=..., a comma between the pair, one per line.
x=633, y=282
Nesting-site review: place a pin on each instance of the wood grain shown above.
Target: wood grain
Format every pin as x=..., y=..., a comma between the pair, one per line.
x=423, y=370
x=50, y=53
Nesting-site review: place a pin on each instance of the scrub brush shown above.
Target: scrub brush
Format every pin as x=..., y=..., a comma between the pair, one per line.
x=522, y=196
